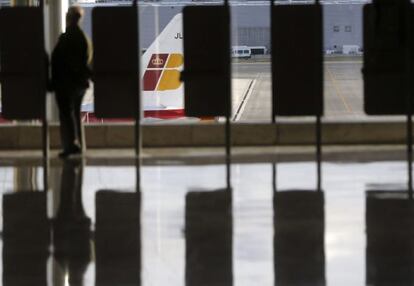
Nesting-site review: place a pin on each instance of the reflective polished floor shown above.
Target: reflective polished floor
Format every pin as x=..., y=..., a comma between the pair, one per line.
x=184, y=227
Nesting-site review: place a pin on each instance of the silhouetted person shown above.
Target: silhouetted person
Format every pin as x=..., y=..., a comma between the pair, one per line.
x=70, y=79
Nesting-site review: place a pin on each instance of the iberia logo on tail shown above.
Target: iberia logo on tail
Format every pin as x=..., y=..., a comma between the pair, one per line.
x=161, y=65
x=163, y=72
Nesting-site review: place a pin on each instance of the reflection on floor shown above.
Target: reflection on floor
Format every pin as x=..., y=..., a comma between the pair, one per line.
x=184, y=228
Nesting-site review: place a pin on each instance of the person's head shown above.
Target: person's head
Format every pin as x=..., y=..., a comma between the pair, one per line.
x=74, y=15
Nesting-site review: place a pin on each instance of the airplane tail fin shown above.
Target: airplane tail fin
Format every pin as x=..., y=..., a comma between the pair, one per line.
x=162, y=63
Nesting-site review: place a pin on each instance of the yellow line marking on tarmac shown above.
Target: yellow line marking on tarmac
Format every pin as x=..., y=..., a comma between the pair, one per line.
x=338, y=91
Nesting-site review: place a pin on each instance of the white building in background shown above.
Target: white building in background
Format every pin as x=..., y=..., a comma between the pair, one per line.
x=4, y=3
x=83, y=1
x=250, y=22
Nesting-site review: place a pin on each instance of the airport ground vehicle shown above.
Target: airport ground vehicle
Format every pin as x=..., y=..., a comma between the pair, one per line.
x=241, y=52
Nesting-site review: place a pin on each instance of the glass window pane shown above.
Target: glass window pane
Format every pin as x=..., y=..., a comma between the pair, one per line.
x=251, y=92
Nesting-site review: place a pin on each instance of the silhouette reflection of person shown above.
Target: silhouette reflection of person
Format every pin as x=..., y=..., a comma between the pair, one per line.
x=71, y=226
x=71, y=207
x=71, y=72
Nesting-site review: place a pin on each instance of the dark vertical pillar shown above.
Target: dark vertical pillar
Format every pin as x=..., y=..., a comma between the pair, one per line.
x=390, y=238
x=208, y=230
x=389, y=64
x=116, y=62
x=23, y=63
x=385, y=58
x=24, y=67
x=26, y=238
x=116, y=67
x=207, y=61
x=299, y=238
x=297, y=41
x=118, y=238
x=207, y=69
x=297, y=66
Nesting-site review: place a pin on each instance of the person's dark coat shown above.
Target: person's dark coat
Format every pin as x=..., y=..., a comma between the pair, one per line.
x=70, y=60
